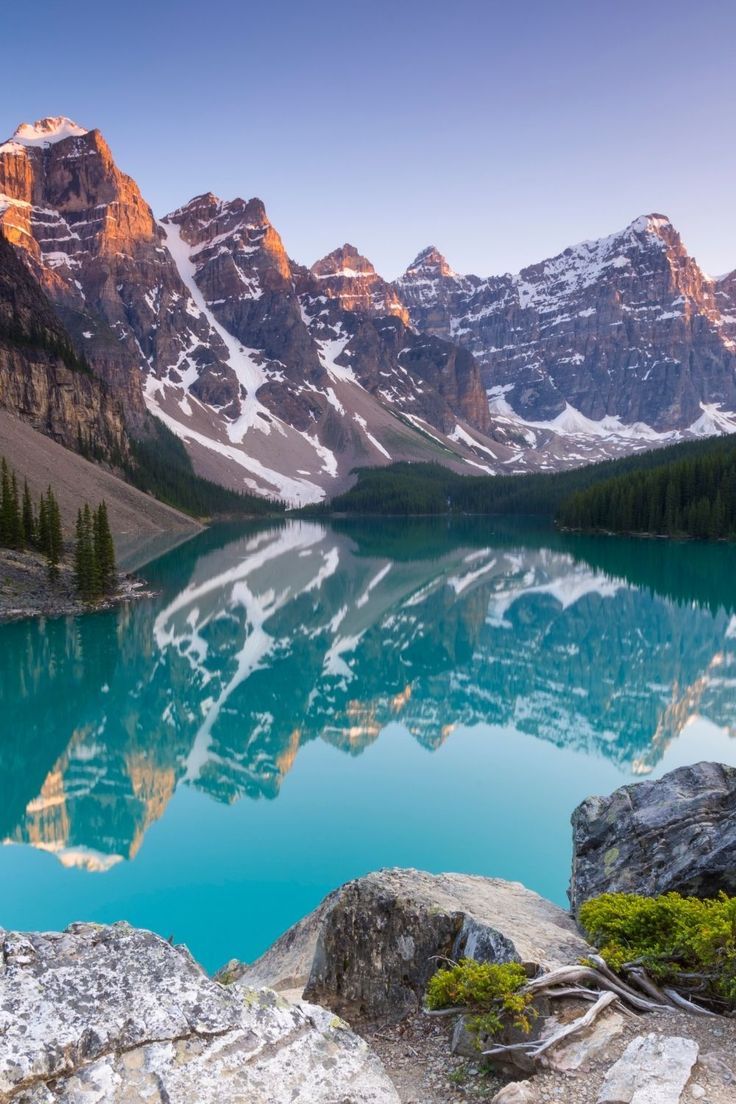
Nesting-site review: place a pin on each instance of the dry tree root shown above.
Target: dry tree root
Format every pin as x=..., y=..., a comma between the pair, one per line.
x=534, y=1050
x=586, y=976
x=688, y=1005
x=594, y=982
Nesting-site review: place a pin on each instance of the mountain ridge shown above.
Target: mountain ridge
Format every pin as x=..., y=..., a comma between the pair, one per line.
x=281, y=378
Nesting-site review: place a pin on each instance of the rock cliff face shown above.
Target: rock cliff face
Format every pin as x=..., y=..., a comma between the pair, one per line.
x=675, y=834
x=626, y=327
x=42, y=379
x=92, y=241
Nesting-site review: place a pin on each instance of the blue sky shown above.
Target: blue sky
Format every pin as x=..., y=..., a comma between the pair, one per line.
x=499, y=132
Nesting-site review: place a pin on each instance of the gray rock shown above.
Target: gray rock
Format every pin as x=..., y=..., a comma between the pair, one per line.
x=112, y=1015
x=653, y=1069
x=518, y=1092
x=675, y=833
x=375, y=942
x=579, y=1052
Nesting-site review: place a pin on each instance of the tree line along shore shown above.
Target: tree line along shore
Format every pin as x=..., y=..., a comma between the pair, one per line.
x=28, y=526
x=684, y=490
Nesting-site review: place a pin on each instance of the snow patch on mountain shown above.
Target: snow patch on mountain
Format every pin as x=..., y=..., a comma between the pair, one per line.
x=44, y=132
x=713, y=421
x=243, y=361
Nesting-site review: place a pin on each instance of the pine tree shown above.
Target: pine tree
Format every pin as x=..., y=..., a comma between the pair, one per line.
x=104, y=550
x=11, y=524
x=16, y=522
x=5, y=504
x=55, y=541
x=43, y=525
x=84, y=567
x=29, y=521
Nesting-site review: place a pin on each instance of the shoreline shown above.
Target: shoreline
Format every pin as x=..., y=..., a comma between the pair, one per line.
x=26, y=592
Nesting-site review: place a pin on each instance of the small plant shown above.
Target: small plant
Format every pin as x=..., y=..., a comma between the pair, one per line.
x=493, y=994
x=683, y=942
x=459, y=1076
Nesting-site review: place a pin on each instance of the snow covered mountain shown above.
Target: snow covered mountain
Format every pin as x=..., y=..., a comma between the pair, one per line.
x=625, y=332
x=281, y=379
x=204, y=321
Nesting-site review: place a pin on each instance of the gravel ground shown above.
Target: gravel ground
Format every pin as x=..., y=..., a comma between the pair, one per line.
x=416, y=1054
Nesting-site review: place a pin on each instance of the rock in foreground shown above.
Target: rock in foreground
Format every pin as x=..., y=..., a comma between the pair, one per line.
x=369, y=949
x=654, y=1069
x=112, y=1015
x=677, y=833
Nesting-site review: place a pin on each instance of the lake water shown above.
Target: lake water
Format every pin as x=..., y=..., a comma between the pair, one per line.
x=302, y=703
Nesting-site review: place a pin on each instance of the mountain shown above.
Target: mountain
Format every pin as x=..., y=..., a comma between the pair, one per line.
x=281, y=379
x=43, y=381
x=625, y=332
x=204, y=321
x=312, y=389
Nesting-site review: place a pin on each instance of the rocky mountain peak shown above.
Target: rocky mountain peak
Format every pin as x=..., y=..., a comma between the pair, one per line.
x=45, y=132
x=234, y=232
x=651, y=224
x=344, y=261
x=655, y=230
x=622, y=327
x=348, y=276
x=429, y=263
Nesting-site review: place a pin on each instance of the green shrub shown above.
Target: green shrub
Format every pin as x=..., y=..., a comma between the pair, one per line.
x=671, y=936
x=492, y=993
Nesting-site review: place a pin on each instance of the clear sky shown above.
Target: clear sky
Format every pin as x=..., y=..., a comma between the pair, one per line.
x=499, y=131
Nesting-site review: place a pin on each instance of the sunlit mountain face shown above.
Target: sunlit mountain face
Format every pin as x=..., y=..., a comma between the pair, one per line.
x=263, y=640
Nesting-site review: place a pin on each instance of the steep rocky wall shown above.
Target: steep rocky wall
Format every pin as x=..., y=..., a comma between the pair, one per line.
x=42, y=380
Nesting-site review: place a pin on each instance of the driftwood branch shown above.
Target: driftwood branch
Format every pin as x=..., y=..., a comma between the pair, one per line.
x=645, y=983
x=577, y=991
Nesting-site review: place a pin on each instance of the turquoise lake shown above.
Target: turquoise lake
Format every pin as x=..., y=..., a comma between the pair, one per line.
x=302, y=703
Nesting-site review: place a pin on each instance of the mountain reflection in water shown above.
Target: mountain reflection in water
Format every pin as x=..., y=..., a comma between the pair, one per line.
x=264, y=639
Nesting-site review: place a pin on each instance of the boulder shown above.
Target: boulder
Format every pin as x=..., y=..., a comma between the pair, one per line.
x=675, y=833
x=653, y=1069
x=373, y=944
x=110, y=1015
